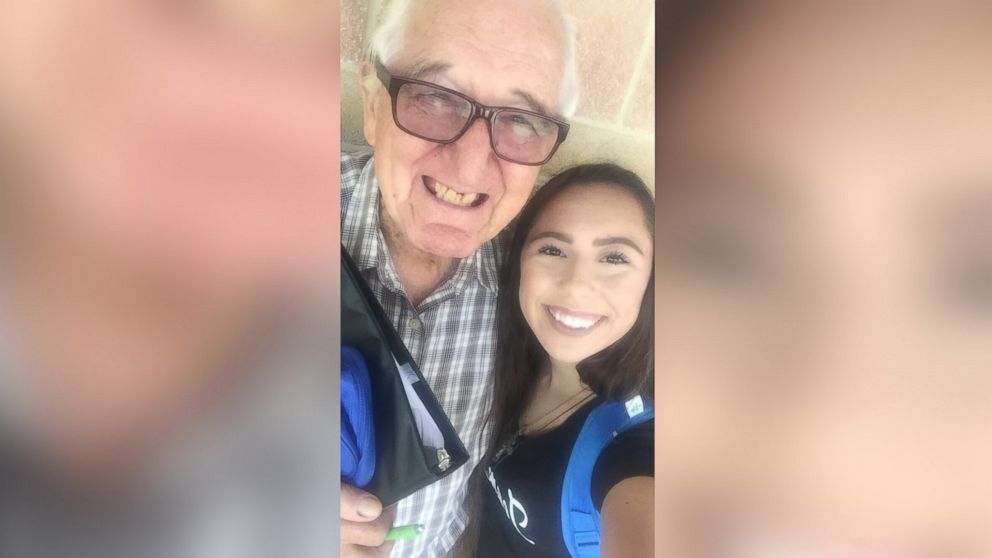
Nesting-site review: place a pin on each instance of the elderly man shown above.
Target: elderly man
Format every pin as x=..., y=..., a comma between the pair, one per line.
x=463, y=101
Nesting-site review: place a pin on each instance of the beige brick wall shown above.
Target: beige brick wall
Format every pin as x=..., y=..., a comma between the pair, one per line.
x=615, y=120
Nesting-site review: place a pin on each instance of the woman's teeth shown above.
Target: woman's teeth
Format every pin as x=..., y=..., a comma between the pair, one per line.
x=572, y=322
x=445, y=193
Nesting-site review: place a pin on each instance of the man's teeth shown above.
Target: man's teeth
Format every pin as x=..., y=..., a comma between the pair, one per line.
x=572, y=321
x=445, y=193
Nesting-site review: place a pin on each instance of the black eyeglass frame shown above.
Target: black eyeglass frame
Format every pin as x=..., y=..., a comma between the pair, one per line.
x=393, y=84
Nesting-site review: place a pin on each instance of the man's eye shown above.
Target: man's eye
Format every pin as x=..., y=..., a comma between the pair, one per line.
x=616, y=258
x=435, y=100
x=522, y=126
x=549, y=250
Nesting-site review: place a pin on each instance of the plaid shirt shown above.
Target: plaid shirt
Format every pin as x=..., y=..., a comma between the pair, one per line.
x=451, y=335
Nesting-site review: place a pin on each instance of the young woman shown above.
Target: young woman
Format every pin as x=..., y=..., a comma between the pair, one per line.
x=575, y=332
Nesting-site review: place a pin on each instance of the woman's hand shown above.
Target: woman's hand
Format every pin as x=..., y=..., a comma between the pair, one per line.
x=627, y=526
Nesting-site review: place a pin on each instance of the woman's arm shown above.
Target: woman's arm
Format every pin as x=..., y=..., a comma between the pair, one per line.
x=627, y=525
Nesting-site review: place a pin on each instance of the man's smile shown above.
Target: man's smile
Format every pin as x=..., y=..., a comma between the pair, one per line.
x=452, y=196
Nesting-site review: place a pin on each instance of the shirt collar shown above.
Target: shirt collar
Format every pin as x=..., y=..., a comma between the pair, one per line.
x=364, y=238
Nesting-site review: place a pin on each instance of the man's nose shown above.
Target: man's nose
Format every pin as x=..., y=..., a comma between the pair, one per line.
x=473, y=153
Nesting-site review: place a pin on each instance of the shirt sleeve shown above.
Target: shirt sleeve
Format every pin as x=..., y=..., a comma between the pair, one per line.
x=631, y=454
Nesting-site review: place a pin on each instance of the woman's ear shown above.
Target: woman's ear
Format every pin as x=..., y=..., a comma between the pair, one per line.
x=369, y=84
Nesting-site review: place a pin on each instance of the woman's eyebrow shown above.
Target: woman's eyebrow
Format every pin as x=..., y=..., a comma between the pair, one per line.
x=606, y=241
x=552, y=234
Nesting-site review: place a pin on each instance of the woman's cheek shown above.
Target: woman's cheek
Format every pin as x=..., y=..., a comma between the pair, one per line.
x=627, y=291
x=530, y=281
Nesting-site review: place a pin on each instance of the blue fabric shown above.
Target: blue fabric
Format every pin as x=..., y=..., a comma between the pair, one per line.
x=579, y=517
x=357, y=432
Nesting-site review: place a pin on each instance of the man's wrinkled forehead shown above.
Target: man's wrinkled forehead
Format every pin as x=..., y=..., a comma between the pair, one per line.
x=437, y=70
x=514, y=51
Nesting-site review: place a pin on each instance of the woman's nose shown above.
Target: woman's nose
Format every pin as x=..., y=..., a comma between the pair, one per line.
x=579, y=278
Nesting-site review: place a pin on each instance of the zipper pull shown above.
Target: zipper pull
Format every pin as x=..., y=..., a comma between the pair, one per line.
x=443, y=459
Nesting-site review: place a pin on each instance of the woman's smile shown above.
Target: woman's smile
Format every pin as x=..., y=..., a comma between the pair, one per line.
x=573, y=323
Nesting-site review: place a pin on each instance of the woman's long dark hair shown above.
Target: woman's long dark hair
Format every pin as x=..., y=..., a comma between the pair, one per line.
x=621, y=370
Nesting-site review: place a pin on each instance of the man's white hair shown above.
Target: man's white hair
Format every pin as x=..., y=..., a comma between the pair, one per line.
x=386, y=41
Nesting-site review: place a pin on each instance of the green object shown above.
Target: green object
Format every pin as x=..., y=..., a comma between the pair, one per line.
x=404, y=532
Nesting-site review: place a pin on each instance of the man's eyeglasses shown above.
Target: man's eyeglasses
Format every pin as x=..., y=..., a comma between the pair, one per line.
x=441, y=115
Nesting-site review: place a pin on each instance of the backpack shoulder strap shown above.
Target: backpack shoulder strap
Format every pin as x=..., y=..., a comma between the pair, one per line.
x=579, y=517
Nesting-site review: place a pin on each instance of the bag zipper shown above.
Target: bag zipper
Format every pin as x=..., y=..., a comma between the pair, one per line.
x=443, y=460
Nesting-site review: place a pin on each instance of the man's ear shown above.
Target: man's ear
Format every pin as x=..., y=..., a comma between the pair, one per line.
x=370, y=96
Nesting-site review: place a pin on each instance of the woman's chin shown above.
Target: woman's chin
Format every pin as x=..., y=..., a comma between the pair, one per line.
x=568, y=355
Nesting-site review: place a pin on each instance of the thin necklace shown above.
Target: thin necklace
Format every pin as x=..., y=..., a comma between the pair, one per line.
x=511, y=444
x=540, y=420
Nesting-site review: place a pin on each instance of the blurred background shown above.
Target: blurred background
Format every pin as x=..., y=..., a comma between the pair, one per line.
x=615, y=120
x=168, y=268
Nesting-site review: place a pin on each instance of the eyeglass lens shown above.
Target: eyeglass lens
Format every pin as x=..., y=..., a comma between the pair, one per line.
x=438, y=115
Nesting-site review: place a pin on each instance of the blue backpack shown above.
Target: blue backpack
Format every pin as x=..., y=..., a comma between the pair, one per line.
x=579, y=517
x=357, y=432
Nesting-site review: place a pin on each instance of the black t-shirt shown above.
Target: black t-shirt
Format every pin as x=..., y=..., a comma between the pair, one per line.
x=525, y=518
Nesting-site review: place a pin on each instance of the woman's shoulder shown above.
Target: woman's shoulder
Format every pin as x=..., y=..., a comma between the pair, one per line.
x=631, y=454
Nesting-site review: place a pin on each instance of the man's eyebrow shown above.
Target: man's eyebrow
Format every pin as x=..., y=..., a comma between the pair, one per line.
x=425, y=70
x=534, y=104
x=430, y=69
x=607, y=241
x=552, y=234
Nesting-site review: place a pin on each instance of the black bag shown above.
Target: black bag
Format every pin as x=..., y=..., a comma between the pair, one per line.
x=404, y=462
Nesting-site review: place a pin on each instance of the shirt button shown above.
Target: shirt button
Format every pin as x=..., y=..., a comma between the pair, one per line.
x=415, y=324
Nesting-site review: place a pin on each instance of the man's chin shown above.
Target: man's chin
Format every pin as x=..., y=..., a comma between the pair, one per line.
x=449, y=242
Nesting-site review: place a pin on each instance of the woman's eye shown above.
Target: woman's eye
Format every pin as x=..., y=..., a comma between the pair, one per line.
x=549, y=250
x=616, y=258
